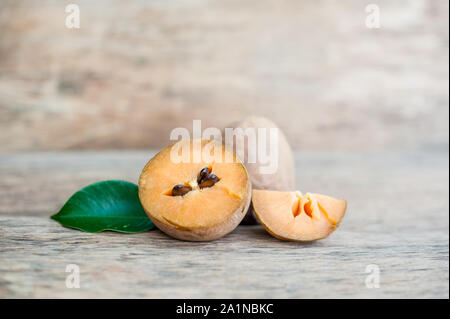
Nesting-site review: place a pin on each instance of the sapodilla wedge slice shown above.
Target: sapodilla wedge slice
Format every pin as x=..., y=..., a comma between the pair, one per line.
x=296, y=217
x=195, y=190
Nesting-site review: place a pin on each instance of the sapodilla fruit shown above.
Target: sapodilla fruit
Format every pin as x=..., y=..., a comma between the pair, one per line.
x=296, y=217
x=200, y=198
x=283, y=179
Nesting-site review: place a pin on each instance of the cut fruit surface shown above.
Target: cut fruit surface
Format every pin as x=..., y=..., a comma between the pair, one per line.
x=200, y=198
x=297, y=217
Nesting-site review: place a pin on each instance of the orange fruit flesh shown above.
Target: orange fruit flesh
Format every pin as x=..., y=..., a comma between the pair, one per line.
x=292, y=216
x=198, y=208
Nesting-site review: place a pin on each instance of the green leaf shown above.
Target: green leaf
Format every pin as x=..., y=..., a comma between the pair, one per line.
x=108, y=205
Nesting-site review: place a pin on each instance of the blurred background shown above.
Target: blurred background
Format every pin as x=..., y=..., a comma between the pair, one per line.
x=135, y=70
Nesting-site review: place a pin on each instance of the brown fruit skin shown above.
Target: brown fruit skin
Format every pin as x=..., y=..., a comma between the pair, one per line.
x=283, y=179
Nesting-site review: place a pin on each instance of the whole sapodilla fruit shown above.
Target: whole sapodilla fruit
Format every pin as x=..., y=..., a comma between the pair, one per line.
x=283, y=178
x=195, y=190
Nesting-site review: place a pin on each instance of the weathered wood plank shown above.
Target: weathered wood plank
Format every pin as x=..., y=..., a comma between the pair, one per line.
x=397, y=219
x=246, y=263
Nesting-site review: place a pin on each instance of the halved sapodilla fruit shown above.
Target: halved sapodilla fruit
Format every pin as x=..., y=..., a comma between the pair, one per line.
x=201, y=196
x=297, y=217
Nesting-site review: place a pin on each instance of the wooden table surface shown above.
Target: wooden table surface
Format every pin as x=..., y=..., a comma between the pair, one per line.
x=397, y=219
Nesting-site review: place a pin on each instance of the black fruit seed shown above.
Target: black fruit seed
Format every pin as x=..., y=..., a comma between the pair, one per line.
x=180, y=190
x=203, y=173
x=209, y=181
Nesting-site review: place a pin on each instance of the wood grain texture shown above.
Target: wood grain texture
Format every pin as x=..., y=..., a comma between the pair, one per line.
x=247, y=263
x=397, y=219
x=137, y=69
